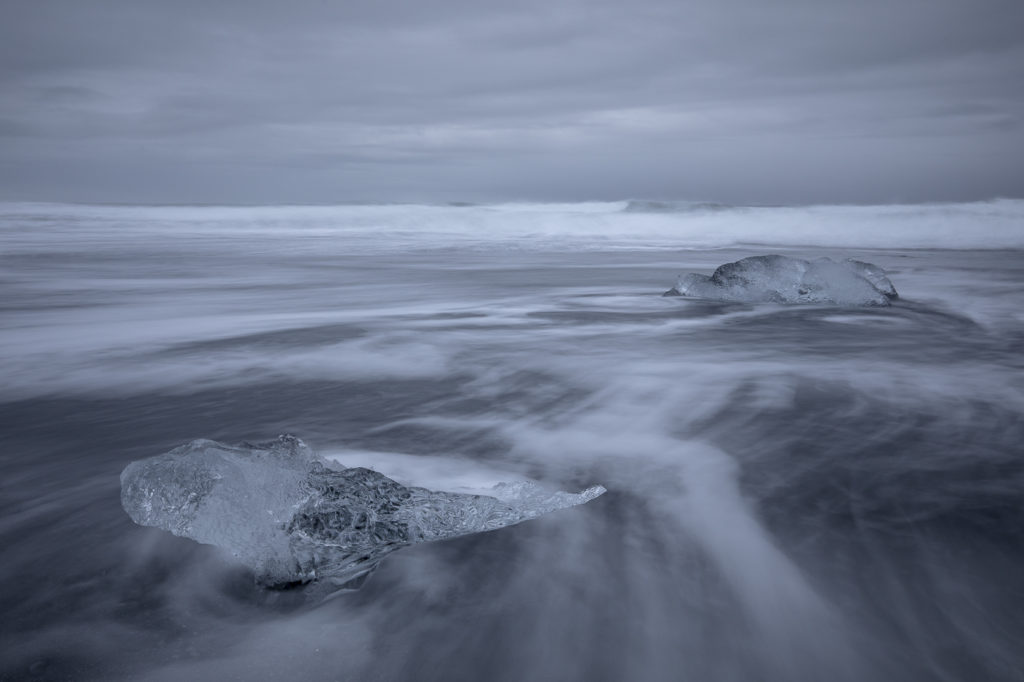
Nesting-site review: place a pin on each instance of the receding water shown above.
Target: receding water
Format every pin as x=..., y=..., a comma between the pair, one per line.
x=795, y=493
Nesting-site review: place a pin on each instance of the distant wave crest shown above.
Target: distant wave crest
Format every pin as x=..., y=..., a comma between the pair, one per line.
x=635, y=224
x=646, y=206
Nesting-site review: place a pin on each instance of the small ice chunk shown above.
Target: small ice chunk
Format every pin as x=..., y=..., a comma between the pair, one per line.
x=780, y=279
x=294, y=518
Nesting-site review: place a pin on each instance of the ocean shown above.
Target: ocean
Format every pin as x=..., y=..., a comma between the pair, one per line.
x=795, y=492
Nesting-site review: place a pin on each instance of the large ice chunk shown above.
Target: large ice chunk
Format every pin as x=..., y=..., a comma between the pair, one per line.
x=293, y=518
x=781, y=279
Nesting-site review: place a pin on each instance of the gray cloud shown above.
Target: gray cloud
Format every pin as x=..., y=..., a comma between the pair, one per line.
x=744, y=101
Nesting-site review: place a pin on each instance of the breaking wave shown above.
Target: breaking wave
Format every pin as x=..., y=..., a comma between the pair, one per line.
x=992, y=224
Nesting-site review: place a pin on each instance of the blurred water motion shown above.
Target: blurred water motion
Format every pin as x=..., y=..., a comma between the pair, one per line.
x=794, y=492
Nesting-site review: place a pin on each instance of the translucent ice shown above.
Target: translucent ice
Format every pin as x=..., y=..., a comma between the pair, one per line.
x=292, y=518
x=781, y=279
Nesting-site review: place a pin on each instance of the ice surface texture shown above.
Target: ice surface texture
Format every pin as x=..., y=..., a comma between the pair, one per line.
x=292, y=518
x=781, y=279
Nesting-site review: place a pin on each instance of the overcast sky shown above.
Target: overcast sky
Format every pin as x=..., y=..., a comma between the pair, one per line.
x=321, y=101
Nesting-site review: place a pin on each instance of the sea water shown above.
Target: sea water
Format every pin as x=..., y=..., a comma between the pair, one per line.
x=795, y=492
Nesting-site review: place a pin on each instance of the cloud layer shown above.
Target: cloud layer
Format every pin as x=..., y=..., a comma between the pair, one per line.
x=312, y=101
